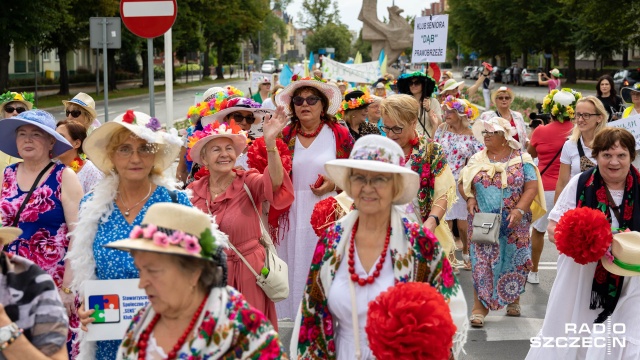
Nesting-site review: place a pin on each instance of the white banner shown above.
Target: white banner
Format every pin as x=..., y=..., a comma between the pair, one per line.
x=632, y=123
x=256, y=77
x=367, y=72
x=430, y=39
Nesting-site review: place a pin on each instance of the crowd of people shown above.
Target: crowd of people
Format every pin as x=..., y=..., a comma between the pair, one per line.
x=309, y=203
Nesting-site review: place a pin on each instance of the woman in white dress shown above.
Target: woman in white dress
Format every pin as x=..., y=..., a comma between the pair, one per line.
x=575, y=158
x=365, y=253
x=314, y=137
x=585, y=295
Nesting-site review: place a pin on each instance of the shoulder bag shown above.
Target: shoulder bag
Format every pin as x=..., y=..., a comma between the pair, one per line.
x=585, y=163
x=26, y=198
x=275, y=283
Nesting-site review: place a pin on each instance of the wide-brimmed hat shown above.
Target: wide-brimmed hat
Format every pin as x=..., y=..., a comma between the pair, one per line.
x=499, y=90
x=84, y=101
x=496, y=124
x=624, y=256
x=229, y=106
x=626, y=92
x=39, y=118
x=332, y=92
x=380, y=154
x=561, y=103
x=229, y=130
x=428, y=83
x=209, y=94
x=556, y=73
x=451, y=84
x=8, y=234
x=142, y=126
x=176, y=229
x=24, y=98
x=212, y=102
x=462, y=106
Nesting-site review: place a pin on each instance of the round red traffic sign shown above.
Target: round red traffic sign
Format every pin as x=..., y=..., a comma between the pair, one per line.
x=148, y=18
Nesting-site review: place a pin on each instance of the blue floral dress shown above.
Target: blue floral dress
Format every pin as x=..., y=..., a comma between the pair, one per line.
x=112, y=264
x=500, y=271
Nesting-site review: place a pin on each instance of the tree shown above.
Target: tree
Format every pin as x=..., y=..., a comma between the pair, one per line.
x=333, y=36
x=318, y=13
x=262, y=40
x=362, y=46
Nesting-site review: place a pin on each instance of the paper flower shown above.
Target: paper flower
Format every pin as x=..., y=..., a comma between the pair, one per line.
x=583, y=234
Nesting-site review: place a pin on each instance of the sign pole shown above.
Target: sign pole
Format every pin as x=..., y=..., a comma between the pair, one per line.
x=97, y=72
x=168, y=77
x=152, y=103
x=104, y=70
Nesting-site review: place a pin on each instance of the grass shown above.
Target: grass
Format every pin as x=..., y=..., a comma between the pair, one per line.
x=56, y=100
x=581, y=86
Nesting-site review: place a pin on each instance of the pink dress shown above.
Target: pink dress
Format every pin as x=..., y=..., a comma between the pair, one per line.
x=237, y=218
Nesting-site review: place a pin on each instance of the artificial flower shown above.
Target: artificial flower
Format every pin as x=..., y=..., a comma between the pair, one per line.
x=583, y=234
x=153, y=124
x=129, y=117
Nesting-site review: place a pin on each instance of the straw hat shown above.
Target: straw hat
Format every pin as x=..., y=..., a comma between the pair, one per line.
x=501, y=89
x=176, y=229
x=496, y=124
x=229, y=130
x=25, y=99
x=625, y=250
x=332, y=93
x=84, y=101
x=142, y=126
x=40, y=118
x=451, y=84
x=8, y=234
x=380, y=154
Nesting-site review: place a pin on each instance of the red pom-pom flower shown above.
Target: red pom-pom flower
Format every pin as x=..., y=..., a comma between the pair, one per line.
x=323, y=215
x=257, y=157
x=410, y=321
x=583, y=234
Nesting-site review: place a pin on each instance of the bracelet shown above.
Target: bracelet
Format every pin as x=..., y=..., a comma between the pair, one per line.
x=521, y=211
x=435, y=217
x=66, y=290
x=273, y=149
x=16, y=332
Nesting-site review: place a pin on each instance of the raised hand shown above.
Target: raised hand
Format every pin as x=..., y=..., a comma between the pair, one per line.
x=273, y=124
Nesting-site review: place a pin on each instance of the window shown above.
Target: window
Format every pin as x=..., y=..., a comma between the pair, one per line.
x=57, y=57
x=45, y=56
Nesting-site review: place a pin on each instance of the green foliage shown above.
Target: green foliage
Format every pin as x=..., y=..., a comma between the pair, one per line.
x=362, y=46
x=317, y=13
x=332, y=35
x=272, y=26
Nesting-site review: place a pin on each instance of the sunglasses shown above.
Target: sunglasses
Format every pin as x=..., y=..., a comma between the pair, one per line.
x=10, y=109
x=501, y=98
x=415, y=83
x=311, y=100
x=239, y=117
x=74, y=113
x=489, y=133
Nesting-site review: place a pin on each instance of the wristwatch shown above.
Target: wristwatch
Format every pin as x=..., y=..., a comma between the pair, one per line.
x=435, y=217
x=8, y=334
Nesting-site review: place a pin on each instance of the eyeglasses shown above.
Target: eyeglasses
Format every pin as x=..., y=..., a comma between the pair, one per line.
x=501, y=98
x=396, y=129
x=415, y=83
x=377, y=182
x=585, y=116
x=144, y=151
x=490, y=133
x=74, y=113
x=311, y=100
x=239, y=117
x=10, y=109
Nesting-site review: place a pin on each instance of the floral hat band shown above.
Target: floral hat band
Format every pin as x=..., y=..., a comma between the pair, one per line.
x=354, y=100
x=462, y=106
x=165, y=237
x=377, y=153
x=152, y=124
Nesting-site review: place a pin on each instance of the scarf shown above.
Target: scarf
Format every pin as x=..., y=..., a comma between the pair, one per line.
x=592, y=192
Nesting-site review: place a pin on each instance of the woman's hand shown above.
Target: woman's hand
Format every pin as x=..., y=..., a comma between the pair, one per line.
x=273, y=125
x=514, y=218
x=472, y=206
x=551, y=231
x=430, y=223
x=85, y=317
x=326, y=187
x=426, y=104
x=68, y=300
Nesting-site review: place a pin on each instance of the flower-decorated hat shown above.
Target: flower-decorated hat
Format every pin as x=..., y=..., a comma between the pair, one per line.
x=84, y=101
x=496, y=124
x=213, y=99
x=561, y=103
x=332, y=92
x=141, y=125
x=462, y=106
x=229, y=106
x=176, y=229
x=375, y=153
x=39, y=118
x=25, y=98
x=428, y=83
x=229, y=130
x=354, y=100
x=626, y=92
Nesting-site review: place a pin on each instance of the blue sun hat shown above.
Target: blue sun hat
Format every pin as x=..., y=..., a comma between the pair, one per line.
x=39, y=118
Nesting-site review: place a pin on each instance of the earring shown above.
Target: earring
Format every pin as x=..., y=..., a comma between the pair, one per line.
x=50, y=154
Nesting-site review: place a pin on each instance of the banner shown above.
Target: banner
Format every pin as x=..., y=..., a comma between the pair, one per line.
x=367, y=72
x=256, y=77
x=430, y=39
x=631, y=123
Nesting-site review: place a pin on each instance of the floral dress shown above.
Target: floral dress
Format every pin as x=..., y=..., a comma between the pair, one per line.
x=500, y=271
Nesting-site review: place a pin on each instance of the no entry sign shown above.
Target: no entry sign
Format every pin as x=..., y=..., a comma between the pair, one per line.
x=148, y=19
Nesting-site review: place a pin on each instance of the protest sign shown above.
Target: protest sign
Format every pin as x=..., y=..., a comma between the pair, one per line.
x=430, y=39
x=631, y=123
x=367, y=72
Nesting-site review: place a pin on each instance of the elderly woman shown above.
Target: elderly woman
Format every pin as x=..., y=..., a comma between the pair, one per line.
x=503, y=98
x=631, y=95
x=437, y=191
x=40, y=197
x=224, y=194
x=133, y=153
x=546, y=144
x=607, y=94
x=12, y=104
x=422, y=88
x=314, y=137
x=82, y=108
x=591, y=117
x=379, y=89
x=459, y=144
x=500, y=179
x=75, y=133
x=354, y=111
x=264, y=88
x=189, y=302
x=367, y=251
x=584, y=294
x=373, y=113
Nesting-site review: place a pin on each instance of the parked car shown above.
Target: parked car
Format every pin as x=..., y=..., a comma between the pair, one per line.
x=529, y=76
x=268, y=66
x=475, y=72
x=506, y=75
x=624, y=78
x=466, y=72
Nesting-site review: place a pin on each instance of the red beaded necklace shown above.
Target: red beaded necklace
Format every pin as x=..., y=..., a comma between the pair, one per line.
x=310, y=135
x=144, y=337
x=413, y=142
x=352, y=249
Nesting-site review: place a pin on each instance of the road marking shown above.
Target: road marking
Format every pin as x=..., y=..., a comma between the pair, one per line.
x=502, y=328
x=148, y=9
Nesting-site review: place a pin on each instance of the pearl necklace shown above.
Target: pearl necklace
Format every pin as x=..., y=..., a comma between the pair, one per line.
x=352, y=248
